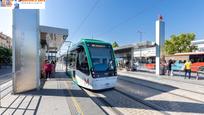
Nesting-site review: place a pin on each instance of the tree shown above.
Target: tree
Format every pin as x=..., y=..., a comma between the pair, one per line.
x=5, y=55
x=180, y=44
x=115, y=44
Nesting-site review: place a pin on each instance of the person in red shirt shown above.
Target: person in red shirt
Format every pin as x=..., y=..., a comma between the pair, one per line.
x=47, y=67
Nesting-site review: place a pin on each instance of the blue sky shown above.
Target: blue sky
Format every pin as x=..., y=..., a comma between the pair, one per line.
x=110, y=20
x=6, y=21
x=181, y=16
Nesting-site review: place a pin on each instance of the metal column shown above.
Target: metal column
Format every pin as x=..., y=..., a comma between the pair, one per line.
x=160, y=38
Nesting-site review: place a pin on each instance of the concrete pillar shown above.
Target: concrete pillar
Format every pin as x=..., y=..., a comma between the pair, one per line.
x=26, y=45
x=160, y=39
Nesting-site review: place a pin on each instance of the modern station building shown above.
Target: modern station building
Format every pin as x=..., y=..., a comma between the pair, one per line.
x=5, y=41
x=143, y=52
x=199, y=44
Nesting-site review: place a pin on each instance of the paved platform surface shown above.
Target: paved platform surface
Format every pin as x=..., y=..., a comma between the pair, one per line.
x=175, y=81
x=57, y=96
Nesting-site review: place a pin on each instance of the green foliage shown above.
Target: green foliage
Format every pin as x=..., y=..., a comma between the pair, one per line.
x=115, y=44
x=180, y=44
x=5, y=55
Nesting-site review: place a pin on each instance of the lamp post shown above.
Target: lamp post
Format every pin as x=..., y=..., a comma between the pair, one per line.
x=140, y=36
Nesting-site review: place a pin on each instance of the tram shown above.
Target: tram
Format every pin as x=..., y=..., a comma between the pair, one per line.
x=92, y=65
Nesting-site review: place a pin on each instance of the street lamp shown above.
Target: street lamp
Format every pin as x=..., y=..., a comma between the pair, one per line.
x=140, y=36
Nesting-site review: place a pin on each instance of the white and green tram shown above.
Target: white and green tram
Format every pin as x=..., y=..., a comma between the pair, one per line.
x=92, y=65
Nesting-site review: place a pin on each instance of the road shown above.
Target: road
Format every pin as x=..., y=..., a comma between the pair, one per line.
x=5, y=74
x=5, y=70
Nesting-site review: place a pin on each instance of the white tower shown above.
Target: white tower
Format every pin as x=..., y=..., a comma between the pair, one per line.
x=160, y=38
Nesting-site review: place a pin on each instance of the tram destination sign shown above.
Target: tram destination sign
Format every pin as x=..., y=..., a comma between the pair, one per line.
x=98, y=45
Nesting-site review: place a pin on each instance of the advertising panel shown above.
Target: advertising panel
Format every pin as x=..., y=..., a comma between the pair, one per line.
x=25, y=50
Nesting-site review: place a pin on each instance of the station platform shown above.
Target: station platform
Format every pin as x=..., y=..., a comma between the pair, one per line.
x=57, y=96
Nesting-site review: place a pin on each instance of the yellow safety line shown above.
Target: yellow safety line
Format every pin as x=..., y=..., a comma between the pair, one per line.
x=76, y=104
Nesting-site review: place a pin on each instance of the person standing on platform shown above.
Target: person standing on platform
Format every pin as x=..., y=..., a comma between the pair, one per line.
x=47, y=67
x=53, y=67
x=188, y=69
x=169, y=67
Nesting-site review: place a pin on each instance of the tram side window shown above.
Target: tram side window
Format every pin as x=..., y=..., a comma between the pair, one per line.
x=82, y=62
x=72, y=60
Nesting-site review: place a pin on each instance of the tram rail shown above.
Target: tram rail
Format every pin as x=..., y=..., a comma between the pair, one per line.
x=152, y=75
x=117, y=111
x=102, y=100
x=151, y=87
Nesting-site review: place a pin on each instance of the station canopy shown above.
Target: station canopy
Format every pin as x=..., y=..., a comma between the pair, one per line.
x=52, y=37
x=143, y=44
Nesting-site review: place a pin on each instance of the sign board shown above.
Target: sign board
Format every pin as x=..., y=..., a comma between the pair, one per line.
x=145, y=52
x=22, y=4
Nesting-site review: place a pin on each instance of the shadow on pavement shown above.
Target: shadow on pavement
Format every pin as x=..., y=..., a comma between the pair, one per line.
x=144, y=89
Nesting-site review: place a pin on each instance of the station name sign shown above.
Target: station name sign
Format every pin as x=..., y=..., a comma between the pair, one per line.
x=22, y=4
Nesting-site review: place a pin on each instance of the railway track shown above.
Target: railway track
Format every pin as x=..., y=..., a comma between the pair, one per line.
x=120, y=92
x=152, y=75
x=101, y=101
x=164, y=91
x=153, y=106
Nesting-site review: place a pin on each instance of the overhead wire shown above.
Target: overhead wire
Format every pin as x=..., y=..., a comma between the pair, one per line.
x=86, y=17
x=125, y=21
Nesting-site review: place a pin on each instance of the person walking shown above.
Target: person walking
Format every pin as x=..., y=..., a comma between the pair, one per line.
x=169, y=67
x=188, y=69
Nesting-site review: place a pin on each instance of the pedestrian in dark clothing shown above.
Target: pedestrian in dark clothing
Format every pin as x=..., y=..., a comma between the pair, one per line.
x=169, y=67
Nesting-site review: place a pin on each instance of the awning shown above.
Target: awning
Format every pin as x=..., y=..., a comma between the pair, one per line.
x=53, y=37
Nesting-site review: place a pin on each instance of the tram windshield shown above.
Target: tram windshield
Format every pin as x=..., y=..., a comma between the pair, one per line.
x=102, y=57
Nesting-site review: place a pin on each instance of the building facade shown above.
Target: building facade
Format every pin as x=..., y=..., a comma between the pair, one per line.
x=199, y=44
x=5, y=41
x=143, y=52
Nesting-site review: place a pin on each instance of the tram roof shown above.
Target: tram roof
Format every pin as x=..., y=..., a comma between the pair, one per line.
x=93, y=41
x=84, y=40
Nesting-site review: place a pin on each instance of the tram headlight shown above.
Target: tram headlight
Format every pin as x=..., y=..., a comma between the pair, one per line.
x=93, y=73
